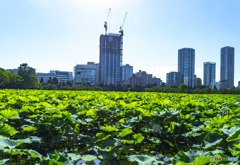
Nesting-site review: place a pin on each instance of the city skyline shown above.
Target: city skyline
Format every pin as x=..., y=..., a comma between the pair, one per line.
x=57, y=35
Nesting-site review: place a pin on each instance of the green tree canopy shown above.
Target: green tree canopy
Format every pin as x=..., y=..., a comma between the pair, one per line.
x=55, y=80
x=15, y=81
x=183, y=88
x=41, y=81
x=3, y=78
x=29, y=76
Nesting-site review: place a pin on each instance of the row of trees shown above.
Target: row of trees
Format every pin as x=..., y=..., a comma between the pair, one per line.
x=26, y=79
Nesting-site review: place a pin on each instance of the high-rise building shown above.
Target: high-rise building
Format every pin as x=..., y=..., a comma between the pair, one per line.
x=186, y=65
x=227, y=67
x=126, y=73
x=174, y=79
x=86, y=73
x=110, y=58
x=209, y=73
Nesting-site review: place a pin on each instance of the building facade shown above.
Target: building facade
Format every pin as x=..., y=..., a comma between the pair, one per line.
x=227, y=67
x=186, y=65
x=126, y=73
x=86, y=73
x=156, y=81
x=174, y=79
x=62, y=76
x=140, y=78
x=45, y=76
x=15, y=71
x=197, y=81
x=111, y=46
x=209, y=72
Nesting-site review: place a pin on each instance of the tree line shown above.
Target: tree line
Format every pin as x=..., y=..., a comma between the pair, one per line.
x=26, y=78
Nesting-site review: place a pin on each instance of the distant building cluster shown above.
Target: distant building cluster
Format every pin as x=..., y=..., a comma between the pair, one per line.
x=186, y=70
x=110, y=71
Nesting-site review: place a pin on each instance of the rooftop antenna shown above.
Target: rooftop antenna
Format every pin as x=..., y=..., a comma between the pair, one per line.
x=121, y=27
x=105, y=22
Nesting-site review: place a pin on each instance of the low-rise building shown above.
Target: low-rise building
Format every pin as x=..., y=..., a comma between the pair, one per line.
x=45, y=76
x=87, y=73
x=197, y=81
x=140, y=78
x=62, y=76
x=156, y=81
x=15, y=71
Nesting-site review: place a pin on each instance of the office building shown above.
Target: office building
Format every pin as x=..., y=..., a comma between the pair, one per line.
x=186, y=65
x=209, y=73
x=156, y=81
x=110, y=58
x=15, y=71
x=227, y=67
x=86, y=74
x=62, y=76
x=126, y=73
x=140, y=78
x=174, y=79
x=197, y=81
x=45, y=76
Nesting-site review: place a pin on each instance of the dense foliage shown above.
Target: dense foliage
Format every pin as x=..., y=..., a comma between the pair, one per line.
x=62, y=127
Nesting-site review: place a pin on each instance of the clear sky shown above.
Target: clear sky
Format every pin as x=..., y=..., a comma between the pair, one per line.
x=58, y=34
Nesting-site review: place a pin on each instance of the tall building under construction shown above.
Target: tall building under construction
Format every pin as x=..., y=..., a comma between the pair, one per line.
x=111, y=46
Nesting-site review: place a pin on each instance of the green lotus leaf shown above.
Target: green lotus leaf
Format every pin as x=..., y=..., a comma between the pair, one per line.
x=138, y=137
x=235, y=135
x=8, y=113
x=7, y=130
x=29, y=129
x=109, y=128
x=125, y=132
x=142, y=159
x=74, y=157
x=88, y=158
x=9, y=143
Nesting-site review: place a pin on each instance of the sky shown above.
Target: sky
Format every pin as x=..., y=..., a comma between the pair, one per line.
x=58, y=34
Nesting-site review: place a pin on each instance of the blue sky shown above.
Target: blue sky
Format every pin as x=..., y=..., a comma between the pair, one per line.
x=58, y=34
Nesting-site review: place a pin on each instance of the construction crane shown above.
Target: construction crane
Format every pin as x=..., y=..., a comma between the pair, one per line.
x=105, y=22
x=121, y=27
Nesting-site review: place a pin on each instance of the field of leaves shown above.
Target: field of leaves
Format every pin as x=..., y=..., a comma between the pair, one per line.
x=63, y=127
